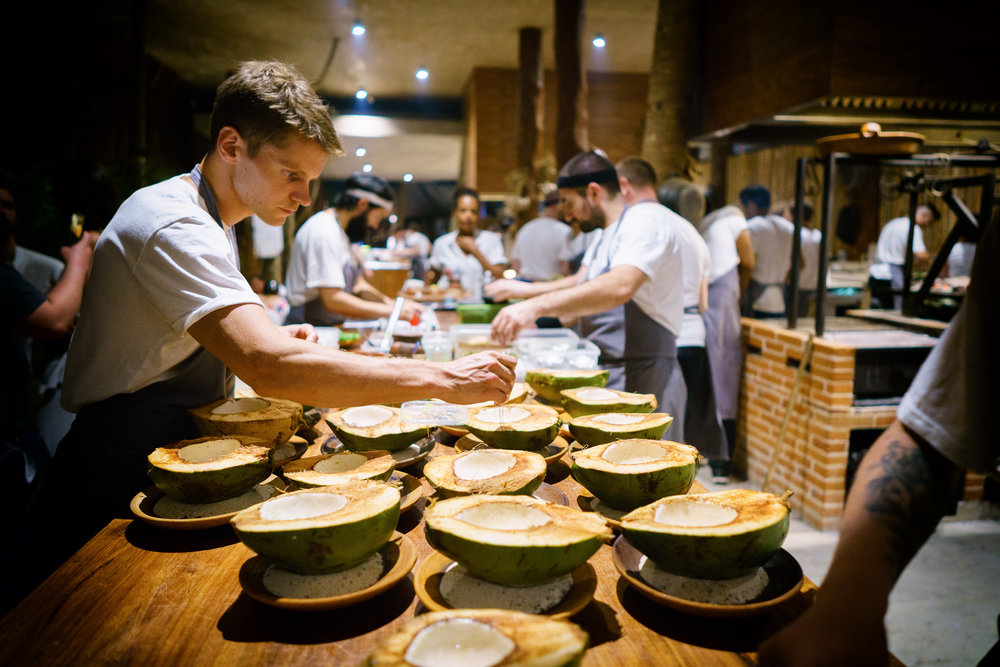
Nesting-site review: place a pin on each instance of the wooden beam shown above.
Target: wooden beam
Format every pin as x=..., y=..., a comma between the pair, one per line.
x=572, y=119
x=529, y=115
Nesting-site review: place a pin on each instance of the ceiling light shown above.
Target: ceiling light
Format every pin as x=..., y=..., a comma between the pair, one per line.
x=367, y=168
x=407, y=177
x=599, y=41
x=393, y=219
x=360, y=152
x=422, y=73
x=361, y=94
x=358, y=29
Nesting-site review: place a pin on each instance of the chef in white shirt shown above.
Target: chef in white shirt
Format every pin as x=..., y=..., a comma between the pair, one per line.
x=886, y=274
x=772, y=244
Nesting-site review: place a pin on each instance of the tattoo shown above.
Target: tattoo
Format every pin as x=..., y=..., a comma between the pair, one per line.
x=907, y=498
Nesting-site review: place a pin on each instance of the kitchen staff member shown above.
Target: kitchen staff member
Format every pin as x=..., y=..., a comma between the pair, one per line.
x=629, y=301
x=167, y=318
x=886, y=274
x=467, y=251
x=326, y=283
x=771, y=236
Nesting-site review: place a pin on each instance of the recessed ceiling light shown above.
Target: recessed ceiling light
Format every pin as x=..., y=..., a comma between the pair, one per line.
x=367, y=168
x=407, y=177
x=361, y=94
x=360, y=152
x=393, y=219
x=358, y=29
x=599, y=41
x=422, y=73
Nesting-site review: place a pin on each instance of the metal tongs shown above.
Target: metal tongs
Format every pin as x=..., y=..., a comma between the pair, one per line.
x=385, y=344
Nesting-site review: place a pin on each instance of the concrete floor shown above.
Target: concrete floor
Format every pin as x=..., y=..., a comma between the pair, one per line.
x=944, y=608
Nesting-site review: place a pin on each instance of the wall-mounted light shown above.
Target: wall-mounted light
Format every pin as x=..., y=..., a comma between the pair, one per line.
x=367, y=167
x=358, y=29
x=599, y=41
x=407, y=177
x=360, y=152
x=362, y=94
x=422, y=73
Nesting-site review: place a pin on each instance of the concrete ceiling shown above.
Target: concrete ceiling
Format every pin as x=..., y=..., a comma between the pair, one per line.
x=201, y=41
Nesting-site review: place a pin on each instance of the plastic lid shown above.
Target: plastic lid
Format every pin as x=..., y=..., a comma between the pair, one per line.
x=433, y=413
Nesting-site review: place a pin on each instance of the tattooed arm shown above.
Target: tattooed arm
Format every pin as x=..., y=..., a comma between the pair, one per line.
x=899, y=495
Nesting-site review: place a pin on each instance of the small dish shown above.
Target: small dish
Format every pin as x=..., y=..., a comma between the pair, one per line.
x=457, y=431
x=143, y=503
x=403, y=457
x=398, y=555
x=550, y=494
x=784, y=574
x=611, y=516
x=427, y=581
x=551, y=452
x=412, y=490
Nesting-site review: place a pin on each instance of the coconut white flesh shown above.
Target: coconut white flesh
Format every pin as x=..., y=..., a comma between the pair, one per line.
x=693, y=514
x=596, y=394
x=237, y=405
x=305, y=506
x=483, y=465
x=618, y=418
x=459, y=642
x=341, y=463
x=504, y=516
x=367, y=415
x=209, y=450
x=631, y=452
x=502, y=414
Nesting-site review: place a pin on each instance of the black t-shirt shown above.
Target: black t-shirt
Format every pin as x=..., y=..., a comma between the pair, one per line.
x=18, y=299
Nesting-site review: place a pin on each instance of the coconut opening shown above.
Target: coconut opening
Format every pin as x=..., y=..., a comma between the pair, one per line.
x=504, y=516
x=209, y=450
x=596, y=394
x=341, y=463
x=483, y=465
x=237, y=405
x=630, y=452
x=460, y=642
x=367, y=415
x=302, y=506
x=693, y=514
x=618, y=418
x=502, y=414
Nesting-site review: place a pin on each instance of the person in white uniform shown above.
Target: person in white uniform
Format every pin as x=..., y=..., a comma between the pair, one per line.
x=811, y=239
x=946, y=424
x=625, y=297
x=541, y=246
x=407, y=240
x=167, y=318
x=886, y=274
x=467, y=252
x=326, y=283
x=771, y=236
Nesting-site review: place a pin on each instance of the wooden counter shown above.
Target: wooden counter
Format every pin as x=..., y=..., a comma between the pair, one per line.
x=136, y=594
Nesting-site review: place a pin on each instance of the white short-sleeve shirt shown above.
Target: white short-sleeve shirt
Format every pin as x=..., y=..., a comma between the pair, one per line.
x=697, y=266
x=319, y=254
x=446, y=254
x=645, y=237
x=539, y=246
x=720, y=229
x=772, y=246
x=891, y=247
x=161, y=265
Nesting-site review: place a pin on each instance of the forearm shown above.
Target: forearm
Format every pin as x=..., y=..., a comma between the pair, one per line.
x=602, y=293
x=365, y=290
x=347, y=304
x=57, y=314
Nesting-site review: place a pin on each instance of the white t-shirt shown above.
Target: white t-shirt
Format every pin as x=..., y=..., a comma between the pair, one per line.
x=960, y=259
x=720, y=229
x=891, y=247
x=646, y=238
x=447, y=255
x=161, y=265
x=410, y=239
x=38, y=269
x=319, y=254
x=268, y=240
x=771, y=236
x=809, y=271
x=539, y=246
x=697, y=266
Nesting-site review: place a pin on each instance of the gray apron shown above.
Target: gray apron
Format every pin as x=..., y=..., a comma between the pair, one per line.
x=723, y=342
x=314, y=312
x=640, y=355
x=754, y=291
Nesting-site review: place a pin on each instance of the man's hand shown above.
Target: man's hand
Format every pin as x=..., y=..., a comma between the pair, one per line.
x=81, y=251
x=486, y=376
x=410, y=310
x=512, y=319
x=467, y=244
x=302, y=331
x=505, y=290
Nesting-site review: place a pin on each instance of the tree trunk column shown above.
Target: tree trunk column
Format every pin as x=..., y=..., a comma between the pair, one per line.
x=529, y=115
x=572, y=119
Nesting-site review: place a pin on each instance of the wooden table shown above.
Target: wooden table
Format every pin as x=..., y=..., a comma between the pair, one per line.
x=137, y=594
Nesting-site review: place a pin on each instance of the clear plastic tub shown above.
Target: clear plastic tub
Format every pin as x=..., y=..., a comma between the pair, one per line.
x=432, y=413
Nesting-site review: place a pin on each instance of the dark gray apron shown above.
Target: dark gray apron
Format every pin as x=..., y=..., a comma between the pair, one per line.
x=723, y=342
x=314, y=312
x=640, y=355
x=754, y=291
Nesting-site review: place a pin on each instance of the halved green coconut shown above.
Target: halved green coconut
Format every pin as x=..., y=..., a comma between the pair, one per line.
x=493, y=472
x=206, y=470
x=515, y=426
x=313, y=471
x=373, y=427
x=271, y=419
x=610, y=426
x=718, y=535
x=513, y=540
x=482, y=638
x=594, y=400
x=326, y=529
x=548, y=382
x=628, y=473
x=519, y=393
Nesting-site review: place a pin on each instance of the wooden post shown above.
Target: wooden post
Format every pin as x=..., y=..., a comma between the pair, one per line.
x=571, y=135
x=672, y=94
x=529, y=115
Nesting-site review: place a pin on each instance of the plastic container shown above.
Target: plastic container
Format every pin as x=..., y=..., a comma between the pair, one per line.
x=478, y=313
x=437, y=345
x=556, y=348
x=432, y=413
x=472, y=338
